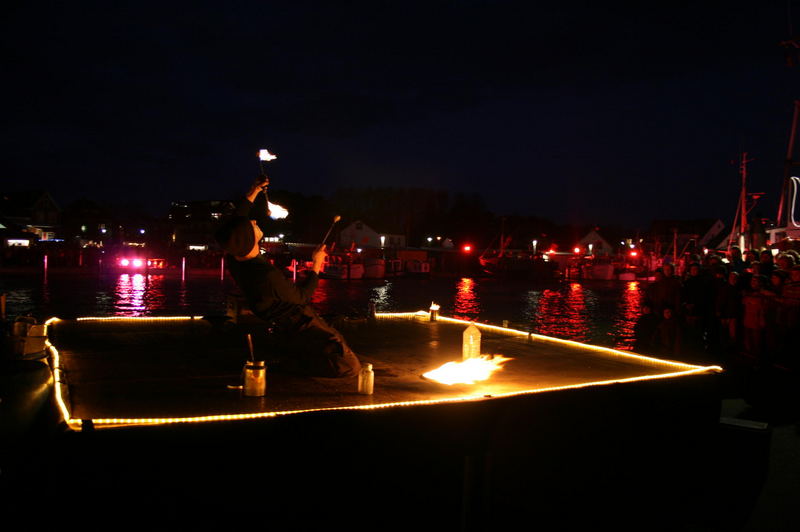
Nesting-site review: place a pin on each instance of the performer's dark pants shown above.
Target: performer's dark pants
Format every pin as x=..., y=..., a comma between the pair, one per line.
x=307, y=345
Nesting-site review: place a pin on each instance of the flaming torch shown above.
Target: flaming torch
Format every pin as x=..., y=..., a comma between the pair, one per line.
x=265, y=155
x=335, y=220
x=276, y=212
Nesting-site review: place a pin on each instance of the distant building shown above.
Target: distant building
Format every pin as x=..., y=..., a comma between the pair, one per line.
x=691, y=236
x=193, y=222
x=361, y=235
x=32, y=211
x=600, y=246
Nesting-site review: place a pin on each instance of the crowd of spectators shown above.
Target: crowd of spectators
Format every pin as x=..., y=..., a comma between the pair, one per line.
x=742, y=309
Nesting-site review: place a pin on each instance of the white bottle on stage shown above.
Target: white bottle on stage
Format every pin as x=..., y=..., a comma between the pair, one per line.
x=366, y=379
x=471, y=347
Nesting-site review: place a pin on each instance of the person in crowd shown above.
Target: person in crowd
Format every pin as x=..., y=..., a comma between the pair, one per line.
x=750, y=257
x=645, y=329
x=713, y=260
x=785, y=262
x=775, y=334
x=669, y=334
x=697, y=300
x=728, y=306
x=754, y=319
x=735, y=259
x=717, y=283
x=791, y=307
x=793, y=253
x=766, y=263
x=665, y=291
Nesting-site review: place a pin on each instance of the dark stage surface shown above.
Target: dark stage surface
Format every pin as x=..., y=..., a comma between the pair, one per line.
x=571, y=433
x=145, y=369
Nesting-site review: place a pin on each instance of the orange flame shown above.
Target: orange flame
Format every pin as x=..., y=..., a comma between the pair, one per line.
x=265, y=155
x=276, y=212
x=467, y=372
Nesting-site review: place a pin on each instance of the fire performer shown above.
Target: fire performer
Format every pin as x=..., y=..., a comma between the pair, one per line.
x=302, y=340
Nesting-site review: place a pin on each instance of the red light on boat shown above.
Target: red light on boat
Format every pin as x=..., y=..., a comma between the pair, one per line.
x=634, y=253
x=577, y=250
x=124, y=262
x=137, y=263
x=467, y=248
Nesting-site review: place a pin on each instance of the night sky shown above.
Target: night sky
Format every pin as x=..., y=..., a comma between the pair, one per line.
x=582, y=112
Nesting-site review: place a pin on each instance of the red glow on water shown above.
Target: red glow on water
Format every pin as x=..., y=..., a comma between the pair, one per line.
x=627, y=315
x=563, y=313
x=320, y=296
x=466, y=304
x=138, y=294
x=130, y=294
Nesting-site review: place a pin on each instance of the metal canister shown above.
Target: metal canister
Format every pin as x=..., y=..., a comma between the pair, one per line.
x=255, y=378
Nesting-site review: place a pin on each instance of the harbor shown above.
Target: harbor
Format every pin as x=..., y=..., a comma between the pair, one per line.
x=396, y=437
x=468, y=266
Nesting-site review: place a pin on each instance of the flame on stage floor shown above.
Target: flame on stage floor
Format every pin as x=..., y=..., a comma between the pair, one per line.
x=469, y=371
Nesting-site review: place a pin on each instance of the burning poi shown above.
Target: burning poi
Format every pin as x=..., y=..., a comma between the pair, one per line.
x=276, y=212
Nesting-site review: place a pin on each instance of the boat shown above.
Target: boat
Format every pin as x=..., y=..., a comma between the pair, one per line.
x=374, y=268
x=786, y=233
x=505, y=262
x=418, y=268
x=342, y=267
x=393, y=267
x=134, y=259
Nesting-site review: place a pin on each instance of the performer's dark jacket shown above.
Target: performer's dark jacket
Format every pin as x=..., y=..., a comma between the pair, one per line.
x=307, y=342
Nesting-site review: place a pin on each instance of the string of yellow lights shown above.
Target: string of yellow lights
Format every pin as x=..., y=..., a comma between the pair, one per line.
x=516, y=332
x=139, y=318
x=683, y=370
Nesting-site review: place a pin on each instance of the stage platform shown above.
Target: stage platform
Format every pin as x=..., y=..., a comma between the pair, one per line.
x=562, y=424
x=150, y=370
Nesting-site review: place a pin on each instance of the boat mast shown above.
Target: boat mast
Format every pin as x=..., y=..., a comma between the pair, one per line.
x=740, y=219
x=502, y=235
x=743, y=199
x=782, y=220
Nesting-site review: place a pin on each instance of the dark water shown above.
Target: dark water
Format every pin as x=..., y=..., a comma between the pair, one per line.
x=598, y=312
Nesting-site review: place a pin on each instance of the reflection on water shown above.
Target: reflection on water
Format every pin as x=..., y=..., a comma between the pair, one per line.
x=466, y=304
x=320, y=297
x=629, y=309
x=335, y=296
x=603, y=314
x=183, y=293
x=564, y=312
x=595, y=312
x=381, y=296
x=138, y=294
